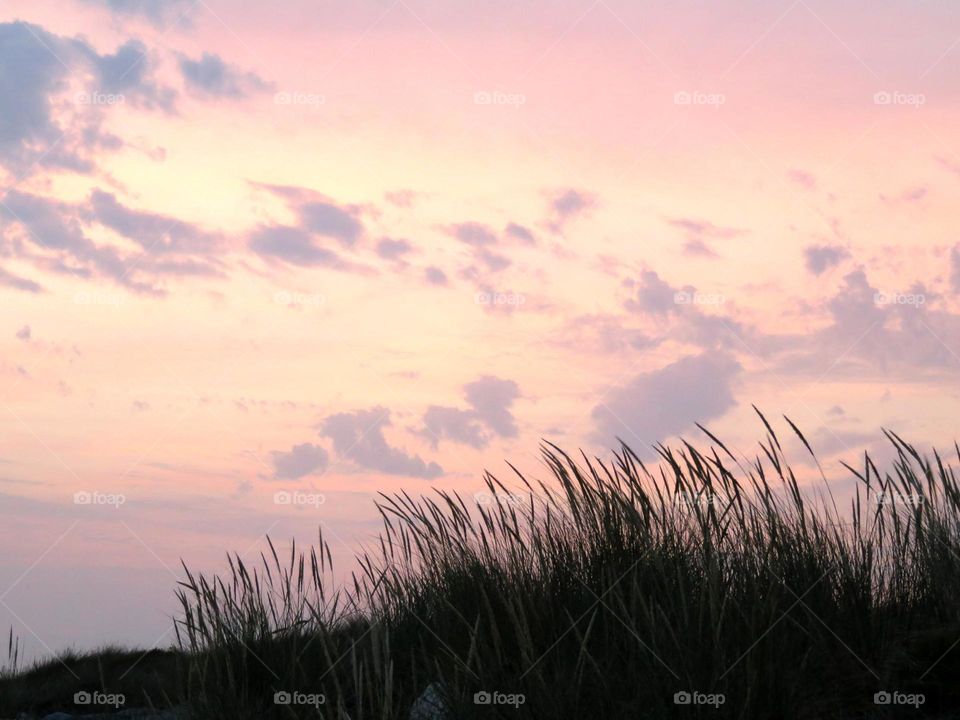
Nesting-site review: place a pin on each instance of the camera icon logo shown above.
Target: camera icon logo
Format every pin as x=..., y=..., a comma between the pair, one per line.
x=882, y=698
x=282, y=697
x=482, y=698
x=682, y=698
x=82, y=698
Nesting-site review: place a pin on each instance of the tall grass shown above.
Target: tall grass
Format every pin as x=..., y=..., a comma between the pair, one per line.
x=604, y=592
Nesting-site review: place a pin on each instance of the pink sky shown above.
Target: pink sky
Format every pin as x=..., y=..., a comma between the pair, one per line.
x=356, y=247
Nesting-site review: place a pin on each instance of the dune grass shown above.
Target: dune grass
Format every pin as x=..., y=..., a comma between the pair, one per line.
x=701, y=586
x=605, y=592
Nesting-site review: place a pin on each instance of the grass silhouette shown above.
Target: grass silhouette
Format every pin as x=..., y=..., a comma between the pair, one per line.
x=701, y=586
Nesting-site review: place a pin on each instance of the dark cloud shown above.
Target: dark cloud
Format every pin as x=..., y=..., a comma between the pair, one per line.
x=358, y=436
x=37, y=68
x=435, y=276
x=293, y=245
x=210, y=76
x=8, y=279
x=153, y=232
x=521, y=233
x=31, y=70
x=955, y=268
x=819, y=258
x=659, y=404
x=454, y=424
x=331, y=220
x=474, y=234
x=567, y=205
x=489, y=399
x=128, y=72
x=654, y=295
x=300, y=460
x=494, y=261
x=891, y=331
x=319, y=218
x=391, y=249
x=51, y=234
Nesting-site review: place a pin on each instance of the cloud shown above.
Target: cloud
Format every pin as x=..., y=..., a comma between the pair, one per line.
x=293, y=245
x=158, y=12
x=897, y=330
x=521, y=233
x=331, y=220
x=474, y=234
x=358, y=436
x=566, y=205
x=955, y=268
x=949, y=164
x=8, y=279
x=300, y=460
x=319, y=217
x=803, y=178
x=24, y=333
x=494, y=261
x=153, y=232
x=435, y=276
x=391, y=249
x=819, y=258
x=37, y=69
x=51, y=234
x=128, y=73
x=490, y=399
x=659, y=404
x=211, y=77
x=30, y=71
x=654, y=295
x=698, y=232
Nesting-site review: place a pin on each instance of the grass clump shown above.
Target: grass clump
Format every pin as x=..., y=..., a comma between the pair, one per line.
x=704, y=587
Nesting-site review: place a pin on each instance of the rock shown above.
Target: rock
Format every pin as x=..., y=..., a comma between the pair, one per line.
x=432, y=704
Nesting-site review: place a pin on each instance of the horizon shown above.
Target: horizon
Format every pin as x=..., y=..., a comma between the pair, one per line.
x=260, y=264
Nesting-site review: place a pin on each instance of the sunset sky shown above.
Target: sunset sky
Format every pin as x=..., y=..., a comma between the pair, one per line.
x=329, y=249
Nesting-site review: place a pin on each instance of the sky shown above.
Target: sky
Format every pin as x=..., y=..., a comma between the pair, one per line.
x=260, y=262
